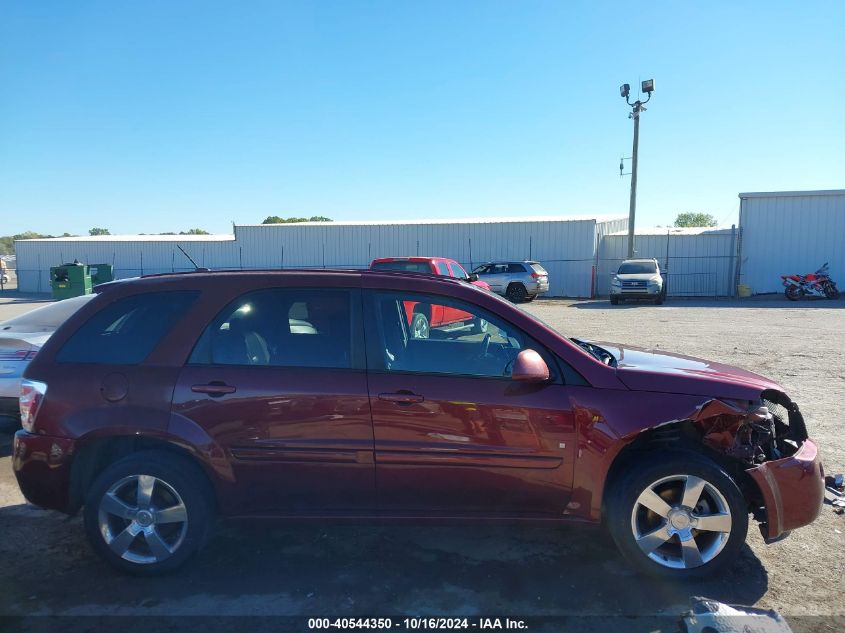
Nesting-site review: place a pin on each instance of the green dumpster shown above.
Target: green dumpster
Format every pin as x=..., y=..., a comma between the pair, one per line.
x=70, y=280
x=101, y=273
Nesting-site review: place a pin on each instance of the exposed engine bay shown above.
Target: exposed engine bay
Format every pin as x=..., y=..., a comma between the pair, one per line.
x=771, y=430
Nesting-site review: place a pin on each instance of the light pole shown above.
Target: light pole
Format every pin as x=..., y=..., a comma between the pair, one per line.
x=636, y=108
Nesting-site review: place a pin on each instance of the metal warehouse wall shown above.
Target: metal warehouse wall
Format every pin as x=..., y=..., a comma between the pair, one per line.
x=567, y=248
x=130, y=258
x=700, y=262
x=786, y=233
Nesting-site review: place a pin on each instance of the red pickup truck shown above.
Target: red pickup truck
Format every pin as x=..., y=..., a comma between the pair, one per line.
x=423, y=317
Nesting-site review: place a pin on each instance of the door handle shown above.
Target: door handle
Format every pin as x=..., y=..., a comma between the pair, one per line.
x=401, y=398
x=214, y=389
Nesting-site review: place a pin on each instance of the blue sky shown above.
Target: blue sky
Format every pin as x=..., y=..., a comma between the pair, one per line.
x=161, y=116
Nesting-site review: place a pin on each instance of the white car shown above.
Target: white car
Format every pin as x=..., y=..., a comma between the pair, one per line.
x=638, y=279
x=20, y=340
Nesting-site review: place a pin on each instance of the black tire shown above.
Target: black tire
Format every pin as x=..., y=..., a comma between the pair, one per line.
x=659, y=300
x=830, y=291
x=516, y=293
x=614, y=301
x=793, y=293
x=171, y=473
x=420, y=326
x=621, y=519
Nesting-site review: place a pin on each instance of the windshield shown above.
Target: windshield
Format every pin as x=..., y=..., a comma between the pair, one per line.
x=637, y=268
x=47, y=317
x=411, y=267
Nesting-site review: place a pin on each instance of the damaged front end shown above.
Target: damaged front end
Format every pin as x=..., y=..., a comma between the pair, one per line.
x=769, y=442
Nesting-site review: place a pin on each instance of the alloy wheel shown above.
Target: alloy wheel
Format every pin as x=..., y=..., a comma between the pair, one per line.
x=142, y=519
x=681, y=521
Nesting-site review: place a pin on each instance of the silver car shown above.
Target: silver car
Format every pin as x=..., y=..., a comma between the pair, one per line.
x=20, y=339
x=638, y=279
x=518, y=281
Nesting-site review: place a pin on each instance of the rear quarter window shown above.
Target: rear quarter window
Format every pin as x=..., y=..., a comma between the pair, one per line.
x=126, y=331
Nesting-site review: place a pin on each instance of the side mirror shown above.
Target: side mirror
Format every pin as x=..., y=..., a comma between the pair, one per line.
x=473, y=277
x=529, y=366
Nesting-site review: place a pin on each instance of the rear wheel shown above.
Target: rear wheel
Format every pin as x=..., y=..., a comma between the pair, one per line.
x=420, y=327
x=148, y=513
x=677, y=515
x=793, y=293
x=480, y=326
x=516, y=293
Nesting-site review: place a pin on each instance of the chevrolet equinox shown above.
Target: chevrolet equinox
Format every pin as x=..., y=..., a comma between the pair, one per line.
x=171, y=399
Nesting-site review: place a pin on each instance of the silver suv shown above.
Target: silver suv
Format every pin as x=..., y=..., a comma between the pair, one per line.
x=638, y=279
x=518, y=281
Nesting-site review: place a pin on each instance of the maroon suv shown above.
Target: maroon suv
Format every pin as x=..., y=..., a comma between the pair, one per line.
x=170, y=399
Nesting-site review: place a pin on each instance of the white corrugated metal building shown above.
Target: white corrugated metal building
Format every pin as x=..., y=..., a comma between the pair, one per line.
x=566, y=246
x=790, y=232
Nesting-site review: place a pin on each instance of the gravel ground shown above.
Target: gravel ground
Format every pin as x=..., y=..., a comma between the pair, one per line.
x=46, y=567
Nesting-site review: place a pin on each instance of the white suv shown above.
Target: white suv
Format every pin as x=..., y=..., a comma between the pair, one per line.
x=638, y=279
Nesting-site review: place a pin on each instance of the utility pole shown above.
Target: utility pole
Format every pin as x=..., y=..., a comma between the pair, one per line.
x=636, y=109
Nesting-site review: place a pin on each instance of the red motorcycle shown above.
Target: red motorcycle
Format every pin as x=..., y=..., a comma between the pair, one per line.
x=817, y=284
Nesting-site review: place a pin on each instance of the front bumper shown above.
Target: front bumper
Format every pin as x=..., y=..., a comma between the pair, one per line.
x=792, y=489
x=647, y=292
x=42, y=466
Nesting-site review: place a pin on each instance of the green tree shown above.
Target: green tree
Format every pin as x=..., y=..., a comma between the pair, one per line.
x=193, y=232
x=694, y=219
x=275, y=219
x=98, y=231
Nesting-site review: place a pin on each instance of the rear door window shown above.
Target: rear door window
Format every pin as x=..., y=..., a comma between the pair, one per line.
x=285, y=327
x=126, y=331
x=516, y=268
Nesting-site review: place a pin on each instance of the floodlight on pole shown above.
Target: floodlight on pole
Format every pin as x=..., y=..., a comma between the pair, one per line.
x=637, y=107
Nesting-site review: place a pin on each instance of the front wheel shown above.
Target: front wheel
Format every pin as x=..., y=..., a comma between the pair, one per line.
x=677, y=515
x=148, y=513
x=793, y=293
x=830, y=291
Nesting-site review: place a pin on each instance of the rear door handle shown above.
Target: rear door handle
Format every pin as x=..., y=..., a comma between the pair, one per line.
x=401, y=398
x=214, y=389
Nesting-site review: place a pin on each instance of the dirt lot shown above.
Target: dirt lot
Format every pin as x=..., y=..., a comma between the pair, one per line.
x=46, y=567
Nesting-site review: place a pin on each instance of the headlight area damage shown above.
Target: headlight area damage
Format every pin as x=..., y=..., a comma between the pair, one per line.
x=769, y=442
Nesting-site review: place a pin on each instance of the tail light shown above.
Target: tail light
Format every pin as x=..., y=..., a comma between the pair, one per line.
x=32, y=393
x=21, y=354
x=535, y=275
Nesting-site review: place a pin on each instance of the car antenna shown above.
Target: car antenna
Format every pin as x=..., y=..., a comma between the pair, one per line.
x=191, y=259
